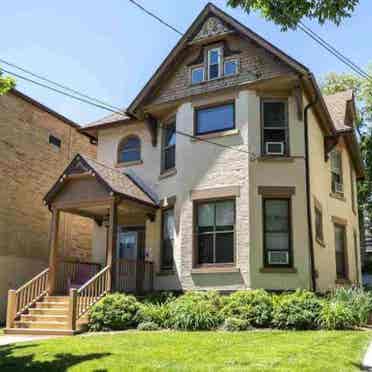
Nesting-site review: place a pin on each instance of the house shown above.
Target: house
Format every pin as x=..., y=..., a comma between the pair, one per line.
x=36, y=144
x=228, y=171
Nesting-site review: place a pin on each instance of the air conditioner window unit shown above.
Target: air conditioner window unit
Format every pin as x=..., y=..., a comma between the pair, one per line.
x=274, y=148
x=339, y=188
x=278, y=258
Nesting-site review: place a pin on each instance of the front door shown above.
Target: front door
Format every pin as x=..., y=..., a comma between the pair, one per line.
x=130, y=249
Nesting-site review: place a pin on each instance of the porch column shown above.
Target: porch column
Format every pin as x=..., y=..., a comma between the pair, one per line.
x=53, y=250
x=111, y=242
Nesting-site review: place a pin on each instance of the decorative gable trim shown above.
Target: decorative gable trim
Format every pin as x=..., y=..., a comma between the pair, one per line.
x=213, y=26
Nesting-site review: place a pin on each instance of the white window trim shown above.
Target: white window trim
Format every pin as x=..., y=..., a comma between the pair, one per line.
x=199, y=67
x=220, y=62
x=234, y=59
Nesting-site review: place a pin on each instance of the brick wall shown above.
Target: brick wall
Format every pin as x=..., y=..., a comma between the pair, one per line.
x=29, y=166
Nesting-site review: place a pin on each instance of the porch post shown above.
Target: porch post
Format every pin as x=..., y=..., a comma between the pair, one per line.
x=111, y=241
x=53, y=250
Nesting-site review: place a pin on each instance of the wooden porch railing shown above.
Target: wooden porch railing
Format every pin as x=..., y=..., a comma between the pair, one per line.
x=69, y=270
x=82, y=299
x=24, y=297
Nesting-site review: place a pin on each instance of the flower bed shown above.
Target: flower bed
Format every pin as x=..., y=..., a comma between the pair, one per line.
x=242, y=310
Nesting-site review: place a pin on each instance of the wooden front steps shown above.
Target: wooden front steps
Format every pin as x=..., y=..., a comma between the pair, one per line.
x=48, y=317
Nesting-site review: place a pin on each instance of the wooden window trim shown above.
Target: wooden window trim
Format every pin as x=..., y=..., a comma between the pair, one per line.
x=208, y=50
x=227, y=192
x=195, y=67
x=352, y=188
x=319, y=239
x=263, y=100
x=357, y=256
x=290, y=233
x=195, y=249
x=230, y=59
x=120, y=147
x=346, y=256
x=276, y=191
x=340, y=195
x=210, y=106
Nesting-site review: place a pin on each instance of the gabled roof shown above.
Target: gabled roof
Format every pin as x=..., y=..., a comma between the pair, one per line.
x=114, y=181
x=210, y=10
x=337, y=105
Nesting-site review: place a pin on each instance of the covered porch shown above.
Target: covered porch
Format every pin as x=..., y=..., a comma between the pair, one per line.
x=121, y=208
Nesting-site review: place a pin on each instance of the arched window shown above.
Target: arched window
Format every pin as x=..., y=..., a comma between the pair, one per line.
x=129, y=150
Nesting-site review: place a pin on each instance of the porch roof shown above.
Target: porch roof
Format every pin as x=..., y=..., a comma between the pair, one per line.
x=115, y=182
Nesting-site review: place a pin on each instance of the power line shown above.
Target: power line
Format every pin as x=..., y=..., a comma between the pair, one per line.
x=43, y=78
x=347, y=61
x=155, y=16
x=122, y=113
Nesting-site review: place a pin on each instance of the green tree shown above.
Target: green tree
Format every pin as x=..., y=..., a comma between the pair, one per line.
x=362, y=87
x=6, y=83
x=288, y=13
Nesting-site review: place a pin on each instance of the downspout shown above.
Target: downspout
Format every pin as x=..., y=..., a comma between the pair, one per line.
x=308, y=193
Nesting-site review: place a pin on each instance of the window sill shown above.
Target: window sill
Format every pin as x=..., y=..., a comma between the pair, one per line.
x=168, y=173
x=165, y=272
x=343, y=281
x=287, y=159
x=337, y=196
x=320, y=242
x=215, y=270
x=225, y=133
x=128, y=163
x=278, y=270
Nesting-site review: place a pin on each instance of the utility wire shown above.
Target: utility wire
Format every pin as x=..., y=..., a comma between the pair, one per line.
x=347, y=61
x=38, y=76
x=151, y=14
x=117, y=111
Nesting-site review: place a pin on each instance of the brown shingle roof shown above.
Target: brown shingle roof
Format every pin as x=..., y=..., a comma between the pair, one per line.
x=113, y=180
x=337, y=105
x=113, y=118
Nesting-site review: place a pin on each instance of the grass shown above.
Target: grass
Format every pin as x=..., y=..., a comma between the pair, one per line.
x=198, y=351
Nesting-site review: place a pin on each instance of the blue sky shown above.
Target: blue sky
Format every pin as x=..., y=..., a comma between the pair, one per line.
x=109, y=49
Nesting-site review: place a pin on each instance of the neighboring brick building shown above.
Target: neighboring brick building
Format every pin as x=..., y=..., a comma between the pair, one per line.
x=36, y=144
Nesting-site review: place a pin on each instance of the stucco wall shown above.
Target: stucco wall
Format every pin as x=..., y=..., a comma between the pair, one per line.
x=320, y=189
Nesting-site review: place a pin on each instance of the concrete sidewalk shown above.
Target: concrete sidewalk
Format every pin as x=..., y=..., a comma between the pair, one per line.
x=12, y=339
x=367, y=360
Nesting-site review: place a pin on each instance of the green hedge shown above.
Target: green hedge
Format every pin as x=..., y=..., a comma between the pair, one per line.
x=242, y=310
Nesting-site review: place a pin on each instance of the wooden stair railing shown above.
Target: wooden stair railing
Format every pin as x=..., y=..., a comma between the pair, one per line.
x=82, y=299
x=24, y=297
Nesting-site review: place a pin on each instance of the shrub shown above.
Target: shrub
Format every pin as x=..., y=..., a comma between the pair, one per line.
x=154, y=313
x=114, y=312
x=357, y=300
x=253, y=306
x=298, y=310
x=148, y=326
x=159, y=298
x=195, y=311
x=336, y=315
x=235, y=325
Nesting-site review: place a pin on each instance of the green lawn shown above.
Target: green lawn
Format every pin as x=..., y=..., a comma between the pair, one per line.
x=178, y=351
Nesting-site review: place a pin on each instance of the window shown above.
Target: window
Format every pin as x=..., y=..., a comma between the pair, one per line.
x=167, y=239
x=275, y=128
x=215, y=119
x=215, y=227
x=352, y=186
x=319, y=225
x=169, y=147
x=336, y=172
x=340, y=247
x=357, y=256
x=214, y=63
x=197, y=75
x=230, y=67
x=277, y=230
x=129, y=150
x=55, y=141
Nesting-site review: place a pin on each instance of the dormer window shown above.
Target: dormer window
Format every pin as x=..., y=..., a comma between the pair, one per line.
x=230, y=67
x=214, y=63
x=197, y=75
